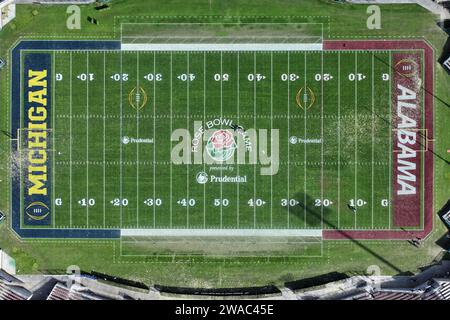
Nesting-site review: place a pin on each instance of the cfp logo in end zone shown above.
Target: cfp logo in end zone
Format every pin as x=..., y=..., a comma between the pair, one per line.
x=36, y=104
x=407, y=67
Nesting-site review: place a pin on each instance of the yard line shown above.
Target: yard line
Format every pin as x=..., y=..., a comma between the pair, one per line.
x=373, y=135
x=254, y=126
x=271, y=127
x=54, y=127
x=289, y=133
x=321, y=151
x=390, y=139
x=238, y=117
x=120, y=138
x=356, y=132
x=221, y=116
x=339, y=140
x=304, y=149
x=71, y=140
x=104, y=138
x=204, y=120
x=87, y=138
x=138, y=91
x=154, y=139
x=171, y=130
x=187, y=126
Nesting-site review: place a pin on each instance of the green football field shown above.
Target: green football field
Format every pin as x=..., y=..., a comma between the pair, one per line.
x=112, y=148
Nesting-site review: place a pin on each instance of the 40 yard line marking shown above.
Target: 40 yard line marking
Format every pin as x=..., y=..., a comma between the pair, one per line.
x=254, y=125
x=187, y=126
x=304, y=148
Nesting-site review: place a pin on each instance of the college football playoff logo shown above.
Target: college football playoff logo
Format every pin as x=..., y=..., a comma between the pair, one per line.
x=221, y=145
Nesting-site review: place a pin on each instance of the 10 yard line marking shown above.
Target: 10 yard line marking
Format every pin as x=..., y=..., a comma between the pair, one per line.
x=87, y=139
x=356, y=132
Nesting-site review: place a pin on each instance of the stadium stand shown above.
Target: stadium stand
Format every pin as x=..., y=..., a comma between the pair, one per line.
x=61, y=292
x=13, y=292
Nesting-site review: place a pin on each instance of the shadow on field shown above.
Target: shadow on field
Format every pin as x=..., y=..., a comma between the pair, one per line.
x=314, y=216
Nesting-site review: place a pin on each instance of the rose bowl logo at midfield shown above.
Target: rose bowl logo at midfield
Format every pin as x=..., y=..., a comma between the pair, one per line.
x=221, y=145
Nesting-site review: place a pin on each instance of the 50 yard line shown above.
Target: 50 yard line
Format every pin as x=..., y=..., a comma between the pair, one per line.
x=138, y=91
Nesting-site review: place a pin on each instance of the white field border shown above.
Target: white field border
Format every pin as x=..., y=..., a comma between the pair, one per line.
x=222, y=232
x=222, y=47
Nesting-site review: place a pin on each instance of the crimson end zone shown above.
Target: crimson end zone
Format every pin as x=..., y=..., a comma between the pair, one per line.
x=412, y=64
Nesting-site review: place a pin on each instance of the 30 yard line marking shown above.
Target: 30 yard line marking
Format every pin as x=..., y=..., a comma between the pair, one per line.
x=154, y=140
x=289, y=134
x=71, y=140
x=87, y=138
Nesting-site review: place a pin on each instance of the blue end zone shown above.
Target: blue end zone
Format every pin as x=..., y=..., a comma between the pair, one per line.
x=37, y=204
